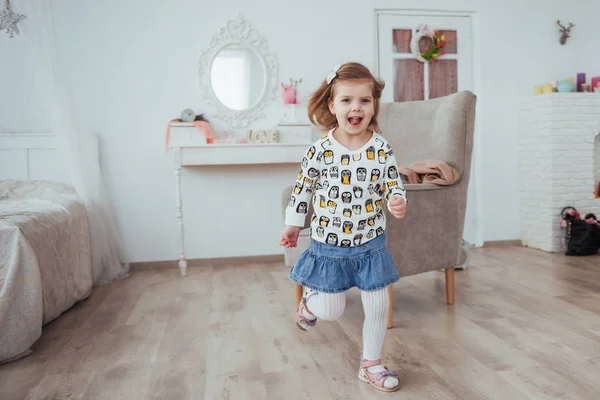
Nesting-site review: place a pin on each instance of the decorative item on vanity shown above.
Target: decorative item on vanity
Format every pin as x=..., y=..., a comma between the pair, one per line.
x=9, y=20
x=238, y=74
x=290, y=97
x=187, y=115
x=263, y=136
x=432, y=54
x=197, y=129
x=565, y=32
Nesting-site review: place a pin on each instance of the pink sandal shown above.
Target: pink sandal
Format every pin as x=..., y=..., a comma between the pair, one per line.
x=301, y=321
x=376, y=379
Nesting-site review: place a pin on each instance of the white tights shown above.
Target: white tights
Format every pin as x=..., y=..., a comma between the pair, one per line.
x=330, y=307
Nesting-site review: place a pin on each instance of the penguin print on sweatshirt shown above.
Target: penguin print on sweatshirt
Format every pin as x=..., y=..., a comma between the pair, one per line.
x=347, y=188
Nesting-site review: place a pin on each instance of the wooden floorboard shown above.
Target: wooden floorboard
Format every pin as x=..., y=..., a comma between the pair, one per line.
x=525, y=325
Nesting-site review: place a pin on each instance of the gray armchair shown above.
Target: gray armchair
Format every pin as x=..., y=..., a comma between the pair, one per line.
x=429, y=238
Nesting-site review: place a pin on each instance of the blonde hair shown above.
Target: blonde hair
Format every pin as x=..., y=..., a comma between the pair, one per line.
x=318, y=105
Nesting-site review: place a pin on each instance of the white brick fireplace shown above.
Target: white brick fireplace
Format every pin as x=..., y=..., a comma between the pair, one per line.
x=558, y=162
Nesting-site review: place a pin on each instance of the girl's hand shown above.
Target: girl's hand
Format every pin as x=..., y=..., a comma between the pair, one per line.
x=398, y=207
x=289, y=236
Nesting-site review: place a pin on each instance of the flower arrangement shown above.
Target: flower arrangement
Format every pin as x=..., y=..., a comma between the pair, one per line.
x=436, y=50
x=290, y=98
x=290, y=91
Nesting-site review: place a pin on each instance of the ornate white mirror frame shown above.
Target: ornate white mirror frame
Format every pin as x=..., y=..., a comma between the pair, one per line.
x=239, y=32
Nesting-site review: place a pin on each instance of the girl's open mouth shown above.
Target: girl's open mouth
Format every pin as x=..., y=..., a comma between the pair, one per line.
x=354, y=121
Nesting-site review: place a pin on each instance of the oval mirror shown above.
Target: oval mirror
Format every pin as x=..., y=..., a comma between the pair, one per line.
x=238, y=77
x=238, y=74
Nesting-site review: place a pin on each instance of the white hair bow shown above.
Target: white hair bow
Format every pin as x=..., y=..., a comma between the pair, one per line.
x=333, y=74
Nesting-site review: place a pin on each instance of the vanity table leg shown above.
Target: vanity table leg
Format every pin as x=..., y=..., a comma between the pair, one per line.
x=182, y=260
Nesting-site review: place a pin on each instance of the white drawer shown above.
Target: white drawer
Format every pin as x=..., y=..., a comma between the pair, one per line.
x=183, y=135
x=242, y=154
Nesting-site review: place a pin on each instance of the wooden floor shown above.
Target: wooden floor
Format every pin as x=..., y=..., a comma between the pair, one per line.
x=526, y=325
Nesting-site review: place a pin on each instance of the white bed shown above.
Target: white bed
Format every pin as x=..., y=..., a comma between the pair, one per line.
x=45, y=250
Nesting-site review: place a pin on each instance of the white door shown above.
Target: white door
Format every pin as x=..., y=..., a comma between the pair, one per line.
x=413, y=80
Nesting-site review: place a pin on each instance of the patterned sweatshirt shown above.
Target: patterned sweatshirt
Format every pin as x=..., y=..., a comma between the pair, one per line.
x=347, y=188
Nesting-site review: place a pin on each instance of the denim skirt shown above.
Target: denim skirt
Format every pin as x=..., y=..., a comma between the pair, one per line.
x=334, y=269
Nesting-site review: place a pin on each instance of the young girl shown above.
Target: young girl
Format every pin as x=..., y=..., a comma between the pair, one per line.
x=347, y=174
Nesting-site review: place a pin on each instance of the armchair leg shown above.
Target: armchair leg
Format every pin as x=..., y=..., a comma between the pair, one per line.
x=391, y=307
x=450, y=285
x=298, y=292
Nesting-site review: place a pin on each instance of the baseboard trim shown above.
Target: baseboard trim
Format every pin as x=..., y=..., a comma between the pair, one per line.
x=204, y=262
x=502, y=243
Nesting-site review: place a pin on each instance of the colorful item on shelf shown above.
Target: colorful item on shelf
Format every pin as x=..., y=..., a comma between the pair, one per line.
x=580, y=81
x=566, y=85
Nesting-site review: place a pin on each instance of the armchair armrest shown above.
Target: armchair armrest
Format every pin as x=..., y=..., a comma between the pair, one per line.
x=430, y=235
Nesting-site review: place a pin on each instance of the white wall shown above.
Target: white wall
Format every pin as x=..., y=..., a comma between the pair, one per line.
x=520, y=49
x=133, y=65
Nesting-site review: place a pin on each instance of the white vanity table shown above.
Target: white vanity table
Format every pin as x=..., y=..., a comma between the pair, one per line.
x=190, y=149
x=238, y=79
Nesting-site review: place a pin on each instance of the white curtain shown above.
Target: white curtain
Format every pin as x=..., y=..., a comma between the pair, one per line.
x=78, y=145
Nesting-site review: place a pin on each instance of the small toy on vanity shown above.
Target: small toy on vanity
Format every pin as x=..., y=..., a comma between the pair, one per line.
x=198, y=121
x=188, y=115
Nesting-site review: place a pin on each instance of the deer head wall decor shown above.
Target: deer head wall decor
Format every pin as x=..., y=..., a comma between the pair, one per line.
x=565, y=32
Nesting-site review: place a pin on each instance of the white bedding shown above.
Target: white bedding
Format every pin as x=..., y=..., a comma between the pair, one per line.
x=45, y=259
